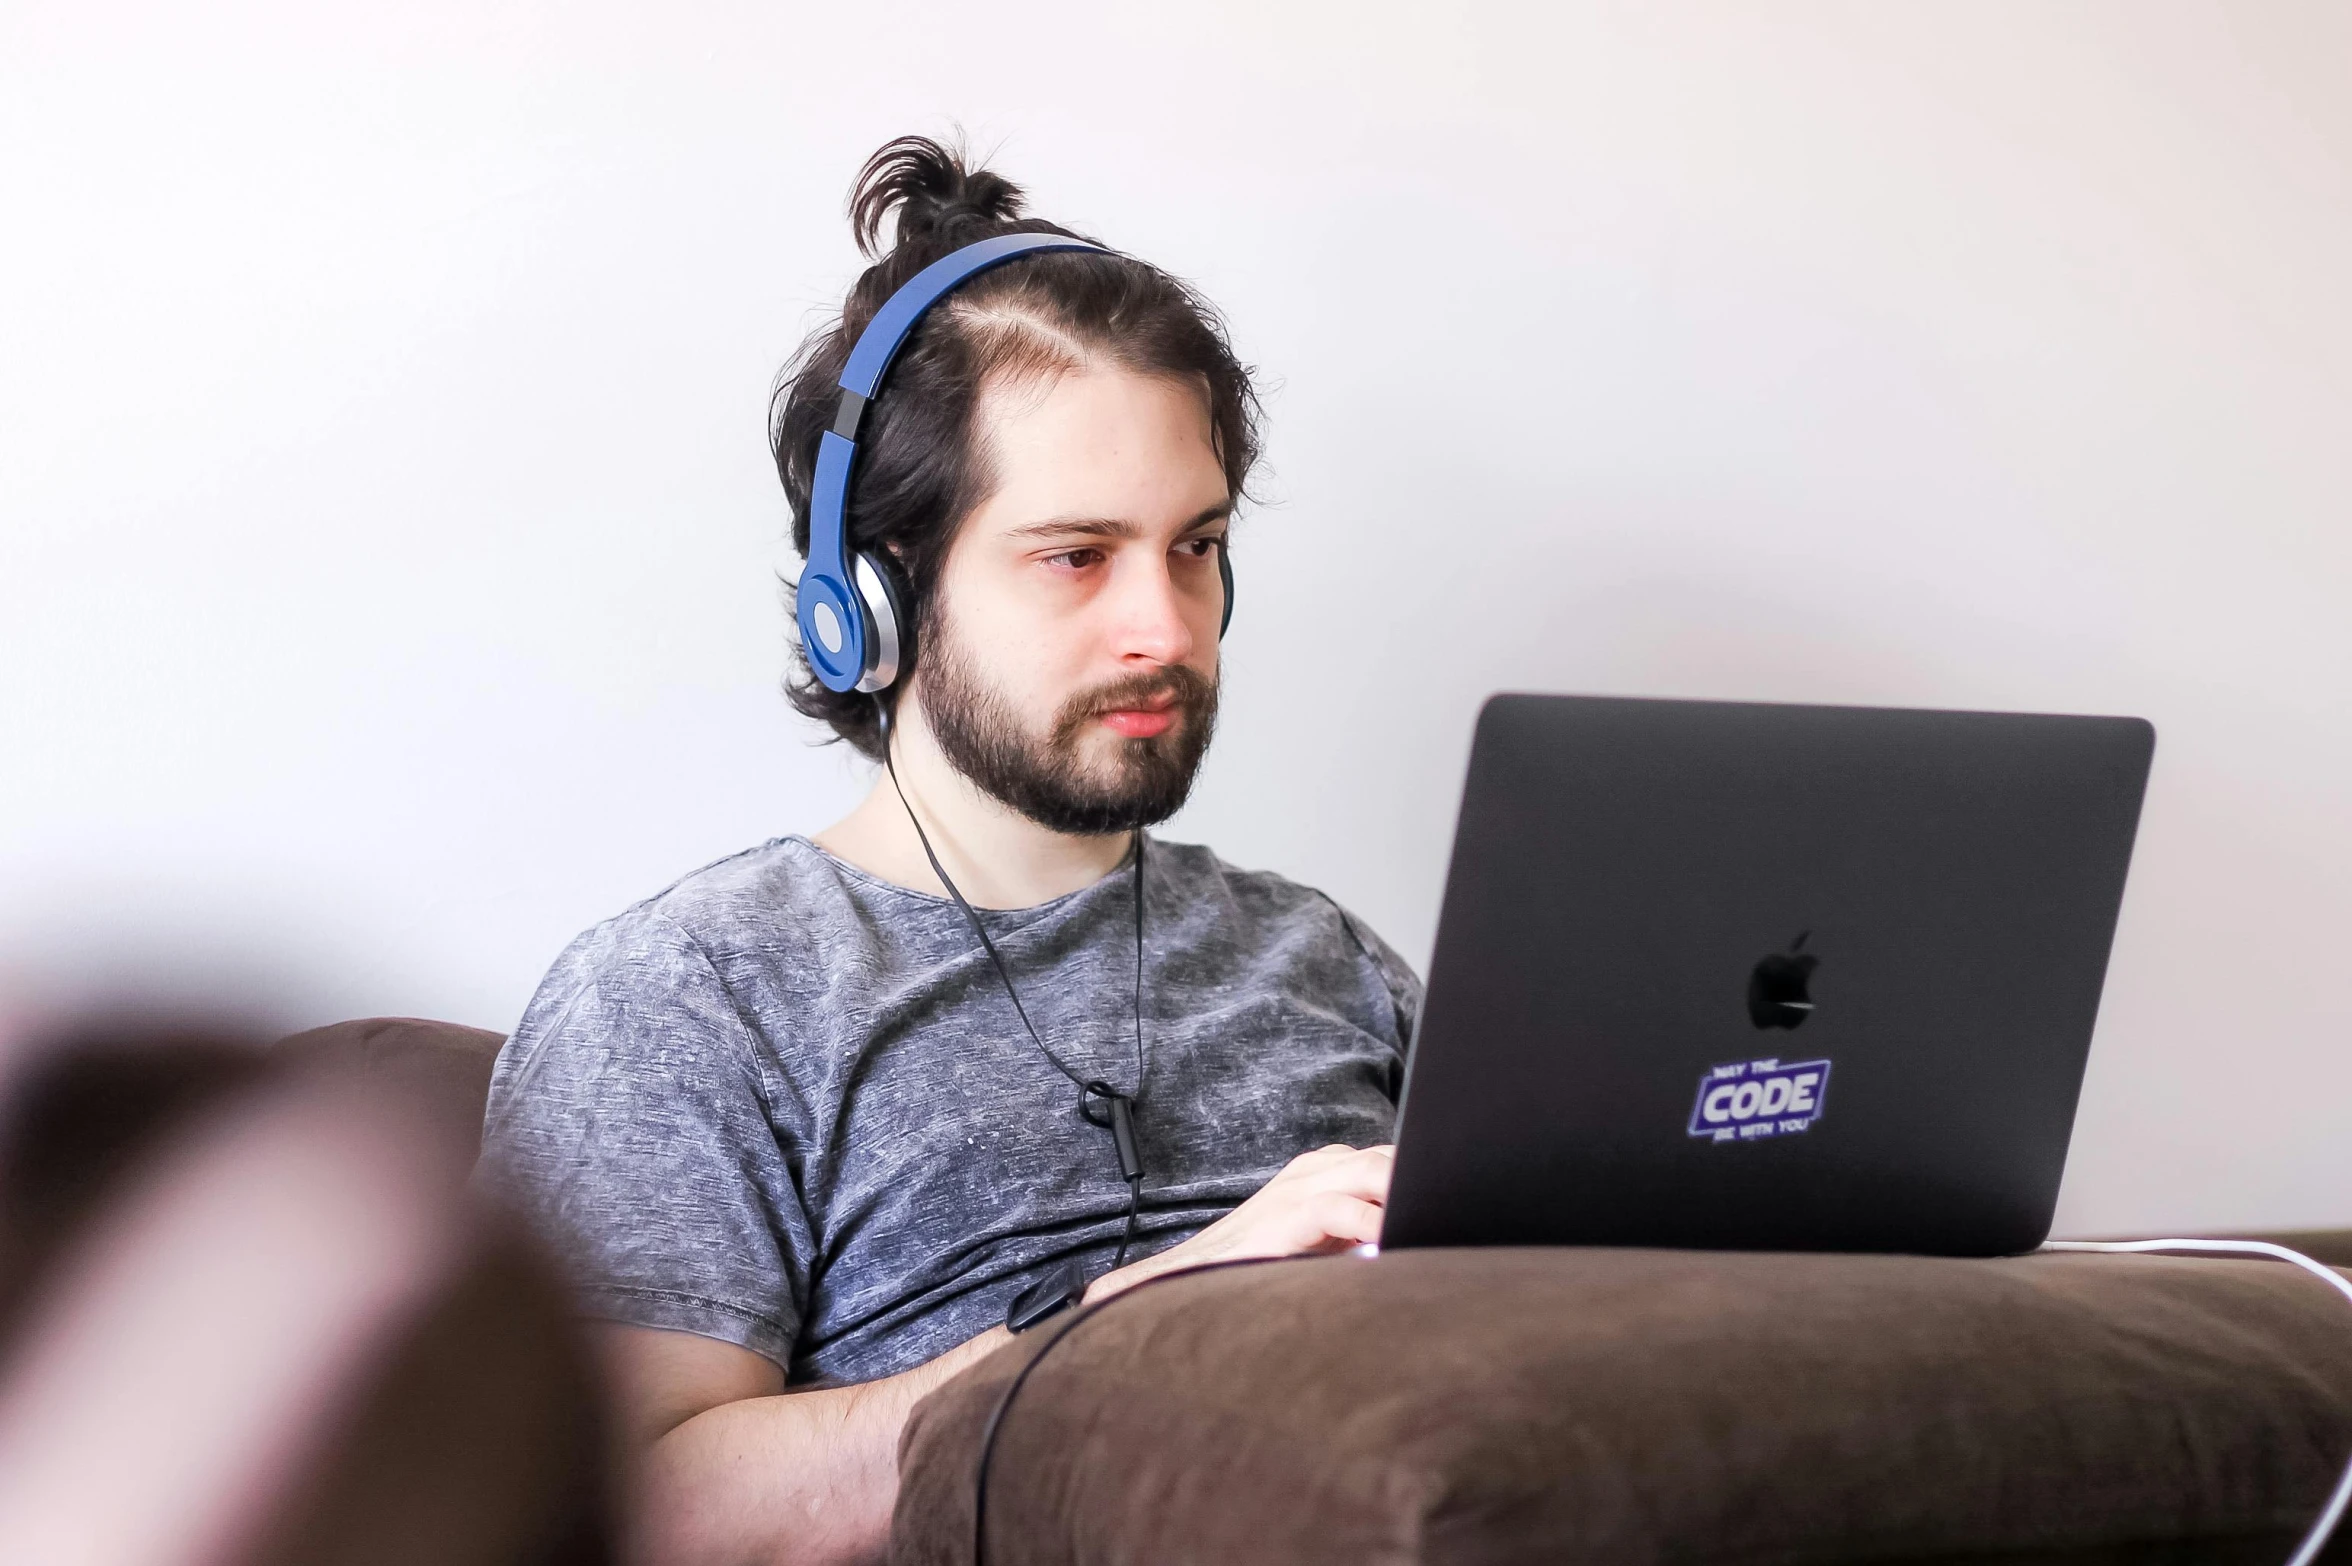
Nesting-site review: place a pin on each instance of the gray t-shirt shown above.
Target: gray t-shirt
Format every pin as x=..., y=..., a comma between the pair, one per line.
x=789, y=1105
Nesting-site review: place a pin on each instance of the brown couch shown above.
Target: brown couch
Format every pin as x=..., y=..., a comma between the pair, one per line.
x=1622, y=1406
x=1645, y=1406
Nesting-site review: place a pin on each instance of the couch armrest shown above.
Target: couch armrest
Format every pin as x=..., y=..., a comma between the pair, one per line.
x=1657, y=1406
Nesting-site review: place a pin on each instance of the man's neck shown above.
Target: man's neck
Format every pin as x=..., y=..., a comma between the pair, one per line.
x=998, y=857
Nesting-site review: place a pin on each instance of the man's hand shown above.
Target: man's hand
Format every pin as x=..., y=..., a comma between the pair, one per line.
x=1327, y=1200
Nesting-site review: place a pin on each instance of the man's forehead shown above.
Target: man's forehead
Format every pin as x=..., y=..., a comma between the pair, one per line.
x=1037, y=401
x=1101, y=453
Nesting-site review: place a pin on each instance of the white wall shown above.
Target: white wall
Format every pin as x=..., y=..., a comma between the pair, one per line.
x=386, y=588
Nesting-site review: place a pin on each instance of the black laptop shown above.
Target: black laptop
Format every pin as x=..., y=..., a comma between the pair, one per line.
x=1764, y=977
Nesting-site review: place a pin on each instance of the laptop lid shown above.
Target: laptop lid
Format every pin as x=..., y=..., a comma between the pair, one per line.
x=1717, y=974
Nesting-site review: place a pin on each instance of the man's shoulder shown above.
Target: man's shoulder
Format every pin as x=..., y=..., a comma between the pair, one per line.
x=1262, y=902
x=1270, y=922
x=1198, y=871
x=762, y=899
x=715, y=961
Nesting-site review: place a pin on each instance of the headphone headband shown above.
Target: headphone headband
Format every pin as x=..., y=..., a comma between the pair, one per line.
x=887, y=332
x=848, y=624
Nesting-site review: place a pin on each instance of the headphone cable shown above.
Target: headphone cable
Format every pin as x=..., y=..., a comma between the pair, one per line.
x=1121, y=1112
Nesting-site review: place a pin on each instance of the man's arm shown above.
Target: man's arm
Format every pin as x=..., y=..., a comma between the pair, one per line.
x=731, y=1470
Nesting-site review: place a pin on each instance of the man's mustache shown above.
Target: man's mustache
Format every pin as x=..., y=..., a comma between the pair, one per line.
x=1176, y=686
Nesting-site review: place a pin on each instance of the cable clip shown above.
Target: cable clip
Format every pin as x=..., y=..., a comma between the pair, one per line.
x=1121, y=1120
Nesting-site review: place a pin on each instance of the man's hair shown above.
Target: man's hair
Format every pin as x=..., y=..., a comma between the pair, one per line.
x=921, y=468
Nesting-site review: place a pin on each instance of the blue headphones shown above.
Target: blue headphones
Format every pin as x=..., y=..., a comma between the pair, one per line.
x=852, y=613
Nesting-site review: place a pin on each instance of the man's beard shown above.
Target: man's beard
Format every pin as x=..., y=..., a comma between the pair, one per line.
x=1048, y=780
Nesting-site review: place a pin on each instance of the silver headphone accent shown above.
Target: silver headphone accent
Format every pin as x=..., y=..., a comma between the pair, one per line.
x=882, y=611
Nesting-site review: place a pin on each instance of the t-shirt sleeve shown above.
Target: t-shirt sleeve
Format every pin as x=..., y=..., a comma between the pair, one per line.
x=1394, y=975
x=629, y=1119
x=1402, y=984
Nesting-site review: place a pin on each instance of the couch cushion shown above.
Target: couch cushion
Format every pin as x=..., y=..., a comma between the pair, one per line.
x=443, y=1067
x=1654, y=1406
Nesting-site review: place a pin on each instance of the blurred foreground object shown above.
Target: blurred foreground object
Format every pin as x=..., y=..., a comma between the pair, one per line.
x=251, y=1312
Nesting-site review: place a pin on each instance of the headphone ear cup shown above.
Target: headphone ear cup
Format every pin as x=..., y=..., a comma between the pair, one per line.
x=1225, y=575
x=883, y=592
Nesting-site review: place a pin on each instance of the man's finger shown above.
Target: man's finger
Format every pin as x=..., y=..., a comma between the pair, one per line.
x=1345, y=1218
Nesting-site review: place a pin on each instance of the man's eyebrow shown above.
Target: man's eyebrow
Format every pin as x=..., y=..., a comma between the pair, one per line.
x=1109, y=527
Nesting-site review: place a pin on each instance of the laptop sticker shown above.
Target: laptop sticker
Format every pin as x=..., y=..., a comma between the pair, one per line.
x=1751, y=1099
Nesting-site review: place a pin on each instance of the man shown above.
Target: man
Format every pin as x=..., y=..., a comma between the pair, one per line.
x=809, y=1134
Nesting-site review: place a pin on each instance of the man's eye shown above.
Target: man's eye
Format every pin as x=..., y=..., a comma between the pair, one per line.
x=1201, y=548
x=1075, y=559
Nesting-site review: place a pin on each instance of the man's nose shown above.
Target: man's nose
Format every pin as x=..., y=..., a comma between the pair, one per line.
x=1151, y=623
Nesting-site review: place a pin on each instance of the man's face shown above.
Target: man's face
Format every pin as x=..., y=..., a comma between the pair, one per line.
x=1068, y=658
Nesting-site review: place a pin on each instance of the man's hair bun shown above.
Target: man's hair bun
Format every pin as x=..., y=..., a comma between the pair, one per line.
x=934, y=192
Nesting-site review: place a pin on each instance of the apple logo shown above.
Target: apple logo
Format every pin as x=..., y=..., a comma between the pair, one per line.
x=1777, y=990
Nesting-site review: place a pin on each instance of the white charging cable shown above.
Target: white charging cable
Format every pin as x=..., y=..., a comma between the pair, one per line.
x=2317, y=1538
